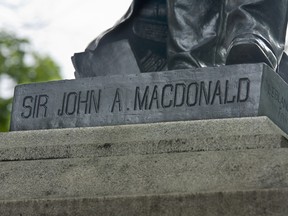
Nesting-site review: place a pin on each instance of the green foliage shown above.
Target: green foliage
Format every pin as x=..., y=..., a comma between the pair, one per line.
x=22, y=64
x=5, y=106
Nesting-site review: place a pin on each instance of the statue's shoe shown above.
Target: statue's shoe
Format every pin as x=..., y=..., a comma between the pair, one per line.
x=250, y=49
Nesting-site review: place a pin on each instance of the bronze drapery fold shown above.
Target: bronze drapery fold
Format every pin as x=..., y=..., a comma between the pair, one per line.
x=235, y=31
x=194, y=33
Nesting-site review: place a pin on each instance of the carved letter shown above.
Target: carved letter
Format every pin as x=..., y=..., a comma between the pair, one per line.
x=26, y=106
x=182, y=97
x=164, y=94
x=61, y=112
x=141, y=103
x=73, y=105
x=42, y=102
x=117, y=99
x=96, y=102
x=226, y=100
x=203, y=91
x=189, y=94
x=85, y=101
x=154, y=98
x=217, y=92
x=242, y=82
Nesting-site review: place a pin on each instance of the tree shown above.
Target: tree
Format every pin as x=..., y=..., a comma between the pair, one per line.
x=22, y=64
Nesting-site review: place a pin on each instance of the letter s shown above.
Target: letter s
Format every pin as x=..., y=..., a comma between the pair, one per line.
x=25, y=105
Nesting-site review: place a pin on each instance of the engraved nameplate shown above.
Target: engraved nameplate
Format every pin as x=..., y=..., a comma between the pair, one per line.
x=208, y=93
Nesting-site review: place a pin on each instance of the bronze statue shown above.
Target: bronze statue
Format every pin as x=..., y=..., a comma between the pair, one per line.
x=177, y=34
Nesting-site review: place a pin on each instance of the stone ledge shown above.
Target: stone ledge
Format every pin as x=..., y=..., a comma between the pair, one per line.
x=145, y=174
x=271, y=202
x=156, y=138
x=206, y=167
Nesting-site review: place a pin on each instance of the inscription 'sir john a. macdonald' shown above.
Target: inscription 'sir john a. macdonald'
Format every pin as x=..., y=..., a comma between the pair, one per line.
x=149, y=97
x=223, y=92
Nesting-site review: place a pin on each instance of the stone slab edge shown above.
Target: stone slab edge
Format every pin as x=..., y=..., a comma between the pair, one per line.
x=206, y=93
x=272, y=202
x=143, y=132
x=158, y=138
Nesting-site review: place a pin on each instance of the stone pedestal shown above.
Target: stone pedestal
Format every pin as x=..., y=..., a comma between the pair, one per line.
x=234, y=91
x=203, y=168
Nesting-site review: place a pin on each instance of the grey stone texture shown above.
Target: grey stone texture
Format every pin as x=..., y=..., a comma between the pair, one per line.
x=206, y=167
x=207, y=93
x=241, y=203
x=142, y=139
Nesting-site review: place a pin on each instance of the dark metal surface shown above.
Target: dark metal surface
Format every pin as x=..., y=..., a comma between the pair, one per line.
x=119, y=52
x=145, y=27
x=207, y=93
x=179, y=34
x=208, y=32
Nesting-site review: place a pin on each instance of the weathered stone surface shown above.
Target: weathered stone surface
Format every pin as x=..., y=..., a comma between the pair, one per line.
x=207, y=93
x=143, y=139
x=188, y=172
x=175, y=157
x=209, y=167
x=242, y=203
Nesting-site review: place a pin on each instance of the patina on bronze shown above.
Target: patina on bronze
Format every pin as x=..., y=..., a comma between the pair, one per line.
x=209, y=33
x=144, y=27
x=178, y=34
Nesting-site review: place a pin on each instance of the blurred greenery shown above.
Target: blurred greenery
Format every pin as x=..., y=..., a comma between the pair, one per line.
x=20, y=63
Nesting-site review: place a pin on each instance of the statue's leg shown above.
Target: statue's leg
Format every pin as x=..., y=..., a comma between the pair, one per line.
x=192, y=32
x=253, y=31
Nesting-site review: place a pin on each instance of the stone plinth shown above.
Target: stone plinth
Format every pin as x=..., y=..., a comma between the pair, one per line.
x=206, y=167
x=234, y=91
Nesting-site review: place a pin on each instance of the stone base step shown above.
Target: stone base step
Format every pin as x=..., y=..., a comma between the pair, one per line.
x=145, y=174
x=208, y=167
x=157, y=138
x=272, y=202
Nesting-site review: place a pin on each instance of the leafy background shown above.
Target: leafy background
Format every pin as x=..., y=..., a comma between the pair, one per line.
x=21, y=64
